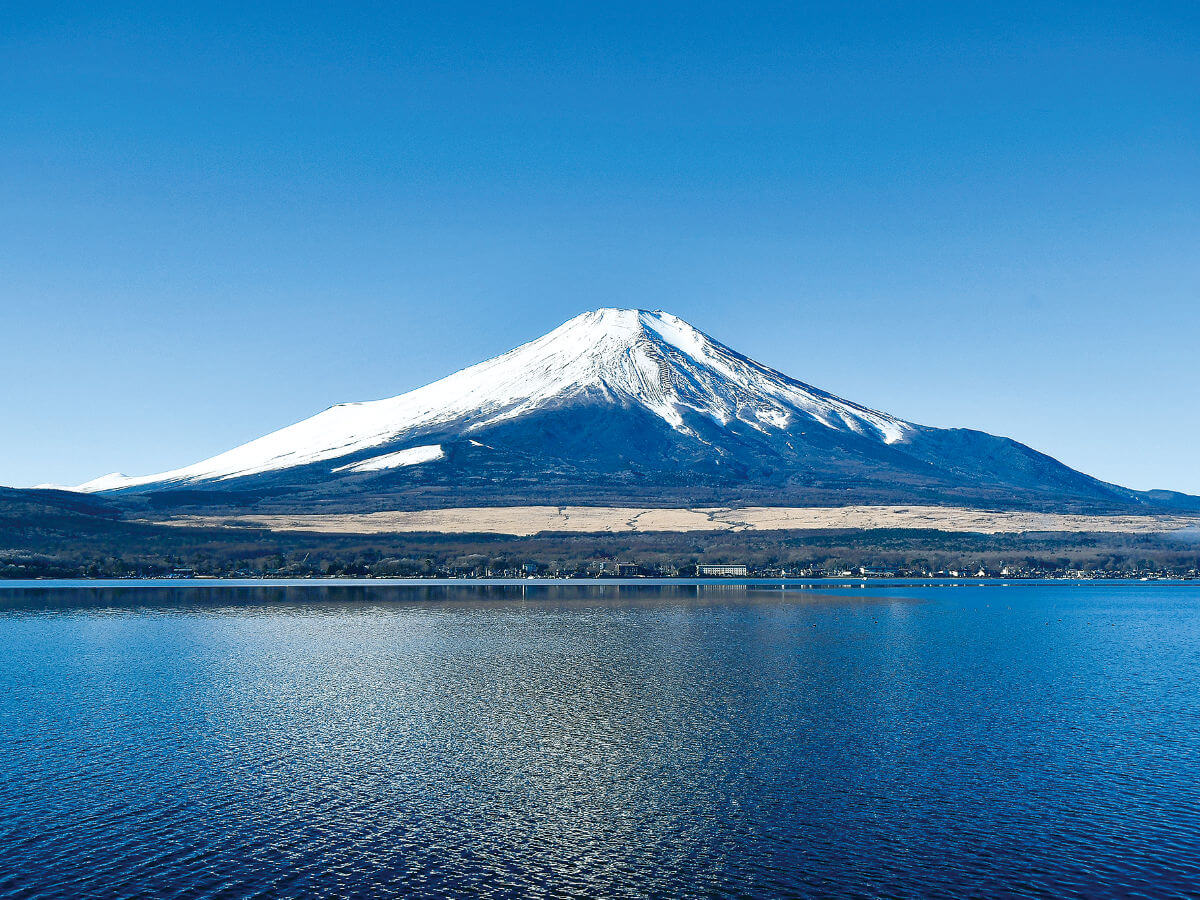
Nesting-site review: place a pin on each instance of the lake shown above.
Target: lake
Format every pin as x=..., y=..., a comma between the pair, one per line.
x=600, y=740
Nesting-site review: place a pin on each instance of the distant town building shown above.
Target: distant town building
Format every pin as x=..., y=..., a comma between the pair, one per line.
x=627, y=570
x=720, y=570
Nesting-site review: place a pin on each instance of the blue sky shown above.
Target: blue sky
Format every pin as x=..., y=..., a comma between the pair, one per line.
x=216, y=220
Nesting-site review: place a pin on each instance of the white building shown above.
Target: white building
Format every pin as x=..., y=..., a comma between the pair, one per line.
x=719, y=570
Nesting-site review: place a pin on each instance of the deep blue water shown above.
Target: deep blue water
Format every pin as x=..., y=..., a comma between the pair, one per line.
x=1037, y=740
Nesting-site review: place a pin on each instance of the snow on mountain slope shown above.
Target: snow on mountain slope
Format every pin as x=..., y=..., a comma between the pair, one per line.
x=413, y=456
x=620, y=356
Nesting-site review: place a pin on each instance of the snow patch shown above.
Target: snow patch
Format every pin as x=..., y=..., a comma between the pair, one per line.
x=109, y=482
x=413, y=456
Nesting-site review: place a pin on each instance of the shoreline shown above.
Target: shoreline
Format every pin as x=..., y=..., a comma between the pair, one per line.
x=749, y=582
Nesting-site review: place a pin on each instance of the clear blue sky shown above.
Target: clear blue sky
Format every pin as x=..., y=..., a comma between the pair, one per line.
x=218, y=219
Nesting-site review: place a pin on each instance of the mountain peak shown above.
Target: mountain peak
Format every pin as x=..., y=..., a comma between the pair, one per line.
x=610, y=328
x=609, y=357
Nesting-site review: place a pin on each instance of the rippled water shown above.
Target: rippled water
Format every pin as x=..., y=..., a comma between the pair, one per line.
x=600, y=741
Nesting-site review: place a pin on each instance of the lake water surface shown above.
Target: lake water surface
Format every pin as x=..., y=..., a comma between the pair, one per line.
x=600, y=741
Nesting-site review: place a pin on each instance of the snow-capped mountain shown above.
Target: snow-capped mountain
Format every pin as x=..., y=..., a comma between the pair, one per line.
x=622, y=356
x=618, y=404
